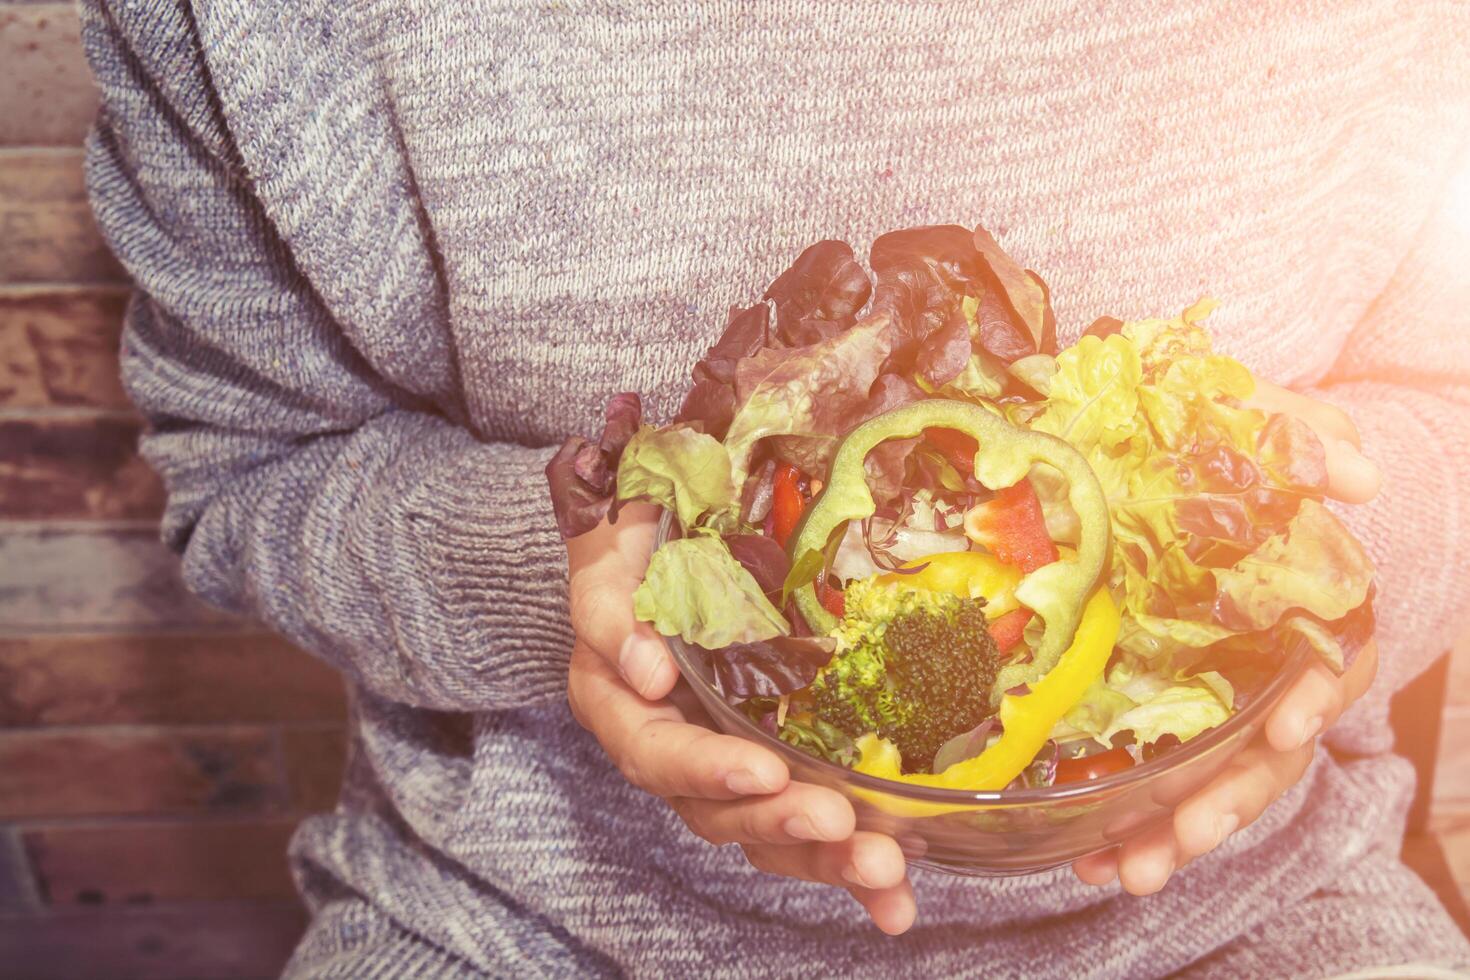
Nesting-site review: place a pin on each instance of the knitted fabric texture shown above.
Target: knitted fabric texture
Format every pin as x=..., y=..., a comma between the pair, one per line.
x=390, y=252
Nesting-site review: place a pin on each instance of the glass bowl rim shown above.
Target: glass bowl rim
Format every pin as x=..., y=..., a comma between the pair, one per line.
x=1293, y=662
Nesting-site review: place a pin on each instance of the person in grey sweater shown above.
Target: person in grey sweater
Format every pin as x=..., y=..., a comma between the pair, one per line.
x=388, y=254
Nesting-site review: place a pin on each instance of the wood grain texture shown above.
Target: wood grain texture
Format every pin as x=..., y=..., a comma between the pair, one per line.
x=17, y=885
x=218, y=941
x=163, y=678
x=116, y=772
x=1454, y=839
x=59, y=580
x=1452, y=776
x=126, y=863
x=315, y=760
x=1459, y=691
x=47, y=233
x=47, y=96
x=75, y=469
x=58, y=347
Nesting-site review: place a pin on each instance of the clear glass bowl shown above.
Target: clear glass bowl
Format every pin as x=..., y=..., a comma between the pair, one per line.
x=1014, y=832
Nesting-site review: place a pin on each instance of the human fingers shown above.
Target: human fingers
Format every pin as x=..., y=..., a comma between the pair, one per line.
x=1144, y=863
x=1146, y=860
x=1351, y=476
x=799, y=813
x=656, y=749
x=864, y=860
x=892, y=910
x=1325, y=419
x=869, y=866
x=1317, y=699
x=1097, y=869
x=1236, y=797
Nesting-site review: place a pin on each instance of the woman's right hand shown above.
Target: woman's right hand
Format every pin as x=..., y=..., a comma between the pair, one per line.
x=726, y=789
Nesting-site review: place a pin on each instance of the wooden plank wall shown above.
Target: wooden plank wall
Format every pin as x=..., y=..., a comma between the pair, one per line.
x=155, y=755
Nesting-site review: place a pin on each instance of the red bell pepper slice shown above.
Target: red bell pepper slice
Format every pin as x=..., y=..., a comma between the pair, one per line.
x=1006, y=629
x=833, y=599
x=956, y=447
x=1011, y=526
x=787, y=502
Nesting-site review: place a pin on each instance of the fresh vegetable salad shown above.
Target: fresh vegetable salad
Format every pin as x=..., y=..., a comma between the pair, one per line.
x=917, y=540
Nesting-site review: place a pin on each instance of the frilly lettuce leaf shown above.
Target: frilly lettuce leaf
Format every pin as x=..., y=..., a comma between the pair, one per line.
x=1136, y=697
x=679, y=468
x=1094, y=395
x=1162, y=342
x=1181, y=710
x=696, y=590
x=819, y=295
x=583, y=474
x=1337, y=642
x=812, y=392
x=1314, y=565
x=1095, y=713
x=1223, y=553
x=1026, y=296
x=1035, y=371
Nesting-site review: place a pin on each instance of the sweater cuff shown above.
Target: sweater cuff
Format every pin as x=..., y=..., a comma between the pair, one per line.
x=485, y=574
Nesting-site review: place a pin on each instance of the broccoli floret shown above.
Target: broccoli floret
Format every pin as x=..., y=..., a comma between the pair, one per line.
x=916, y=667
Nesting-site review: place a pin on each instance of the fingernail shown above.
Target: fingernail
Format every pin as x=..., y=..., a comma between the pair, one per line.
x=638, y=662
x=801, y=827
x=748, y=783
x=1310, y=727
x=1224, y=827
x=853, y=876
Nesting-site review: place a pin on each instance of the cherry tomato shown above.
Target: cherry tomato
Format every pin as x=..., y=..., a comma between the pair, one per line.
x=1093, y=766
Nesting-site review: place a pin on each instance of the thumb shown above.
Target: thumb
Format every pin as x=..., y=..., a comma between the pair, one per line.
x=605, y=567
x=1351, y=477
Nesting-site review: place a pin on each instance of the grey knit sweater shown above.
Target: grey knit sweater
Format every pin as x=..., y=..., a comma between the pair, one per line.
x=389, y=252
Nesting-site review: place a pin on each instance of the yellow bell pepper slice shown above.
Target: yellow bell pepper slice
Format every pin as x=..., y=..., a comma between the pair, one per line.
x=1026, y=719
x=969, y=574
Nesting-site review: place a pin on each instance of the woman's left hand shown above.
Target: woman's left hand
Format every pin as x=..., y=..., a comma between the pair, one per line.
x=1274, y=762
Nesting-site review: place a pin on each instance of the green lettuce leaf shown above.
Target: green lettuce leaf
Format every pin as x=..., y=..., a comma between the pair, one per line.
x=1136, y=697
x=1161, y=342
x=1181, y=710
x=1222, y=550
x=1035, y=372
x=679, y=468
x=696, y=590
x=1315, y=565
x=1093, y=402
x=1099, y=707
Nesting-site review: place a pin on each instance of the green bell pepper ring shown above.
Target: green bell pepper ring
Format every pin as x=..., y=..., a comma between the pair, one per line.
x=1056, y=592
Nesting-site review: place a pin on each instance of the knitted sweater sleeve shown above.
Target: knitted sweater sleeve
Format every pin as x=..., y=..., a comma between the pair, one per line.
x=1404, y=376
x=353, y=515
